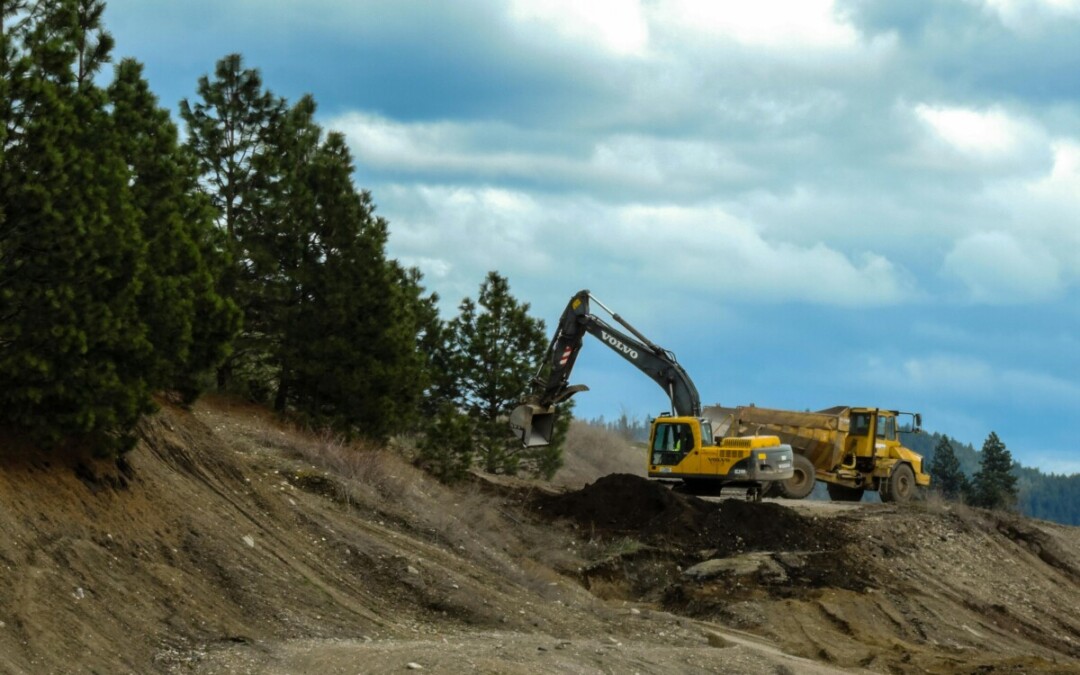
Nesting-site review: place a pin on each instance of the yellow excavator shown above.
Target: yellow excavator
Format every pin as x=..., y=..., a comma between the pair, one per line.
x=681, y=443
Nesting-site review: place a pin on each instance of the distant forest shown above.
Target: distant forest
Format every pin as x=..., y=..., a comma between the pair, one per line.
x=1047, y=496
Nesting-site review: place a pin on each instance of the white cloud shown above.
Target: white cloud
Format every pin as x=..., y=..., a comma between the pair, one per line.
x=1028, y=15
x=617, y=26
x=1000, y=268
x=448, y=147
x=632, y=245
x=990, y=135
x=1047, y=207
x=631, y=28
x=811, y=24
x=463, y=232
x=1063, y=181
x=624, y=161
x=706, y=247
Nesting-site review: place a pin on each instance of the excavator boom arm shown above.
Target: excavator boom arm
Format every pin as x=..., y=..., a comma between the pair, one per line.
x=534, y=421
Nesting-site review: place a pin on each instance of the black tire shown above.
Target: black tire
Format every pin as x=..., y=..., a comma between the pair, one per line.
x=801, y=483
x=900, y=486
x=843, y=493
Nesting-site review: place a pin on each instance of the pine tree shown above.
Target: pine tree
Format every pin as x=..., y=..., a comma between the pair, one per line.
x=189, y=324
x=330, y=324
x=432, y=337
x=994, y=485
x=948, y=479
x=348, y=352
x=73, y=349
x=228, y=131
x=446, y=449
x=497, y=348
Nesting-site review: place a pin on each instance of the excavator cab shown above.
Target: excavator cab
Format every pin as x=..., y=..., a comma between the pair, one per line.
x=671, y=441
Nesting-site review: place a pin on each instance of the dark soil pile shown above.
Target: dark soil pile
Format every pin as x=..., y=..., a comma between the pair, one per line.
x=621, y=503
x=625, y=505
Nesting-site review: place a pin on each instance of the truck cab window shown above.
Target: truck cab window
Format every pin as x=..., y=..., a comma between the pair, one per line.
x=860, y=424
x=887, y=428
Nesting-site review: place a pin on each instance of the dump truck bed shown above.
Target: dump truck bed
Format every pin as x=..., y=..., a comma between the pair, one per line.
x=819, y=436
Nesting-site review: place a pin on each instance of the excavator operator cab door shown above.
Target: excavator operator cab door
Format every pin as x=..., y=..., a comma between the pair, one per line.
x=671, y=443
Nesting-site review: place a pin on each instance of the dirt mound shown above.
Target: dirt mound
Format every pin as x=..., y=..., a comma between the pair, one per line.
x=622, y=504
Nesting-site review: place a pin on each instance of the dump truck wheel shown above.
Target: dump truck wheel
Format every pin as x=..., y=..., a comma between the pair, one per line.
x=900, y=486
x=843, y=493
x=801, y=483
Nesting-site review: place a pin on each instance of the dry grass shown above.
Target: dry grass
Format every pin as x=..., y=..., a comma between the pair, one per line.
x=591, y=452
x=487, y=528
x=472, y=523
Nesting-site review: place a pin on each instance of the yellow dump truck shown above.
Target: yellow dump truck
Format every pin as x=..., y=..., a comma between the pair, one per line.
x=851, y=450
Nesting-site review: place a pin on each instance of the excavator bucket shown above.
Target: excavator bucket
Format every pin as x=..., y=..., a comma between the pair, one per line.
x=533, y=424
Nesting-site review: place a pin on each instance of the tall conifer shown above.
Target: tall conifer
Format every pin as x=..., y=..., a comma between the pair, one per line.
x=72, y=347
x=330, y=324
x=189, y=323
x=948, y=479
x=228, y=129
x=994, y=485
x=497, y=350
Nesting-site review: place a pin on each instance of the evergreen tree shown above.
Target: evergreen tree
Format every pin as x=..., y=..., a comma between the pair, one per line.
x=103, y=245
x=994, y=485
x=497, y=349
x=348, y=353
x=433, y=345
x=190, y=325
x=330, y=324
x=501, y=346
x=228, y=132
x=446, y=449
x=73, y=349
x=948, y=479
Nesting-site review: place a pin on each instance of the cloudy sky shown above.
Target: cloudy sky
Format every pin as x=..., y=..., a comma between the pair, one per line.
x=811, y=202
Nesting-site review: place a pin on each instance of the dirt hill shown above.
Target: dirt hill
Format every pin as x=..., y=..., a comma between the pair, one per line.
x=226, y=542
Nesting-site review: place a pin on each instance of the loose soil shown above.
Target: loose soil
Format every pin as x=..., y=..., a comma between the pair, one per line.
x=227, y=542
